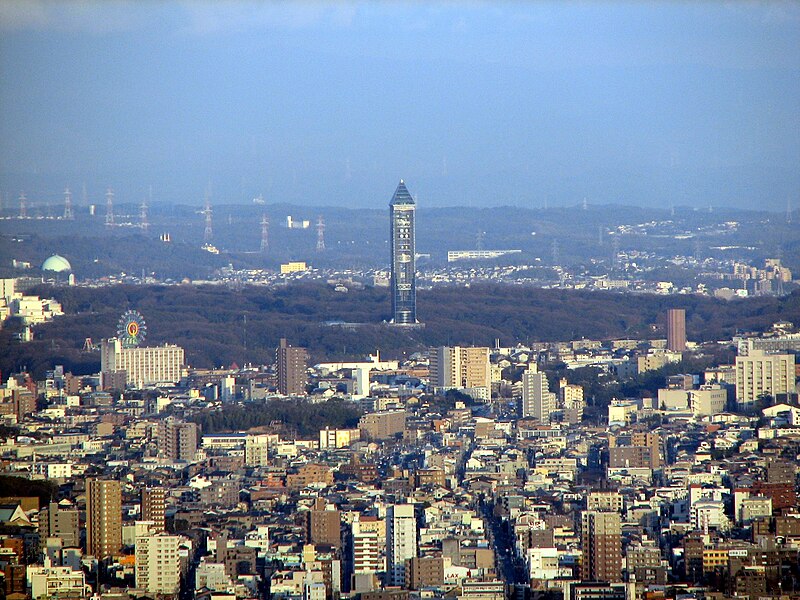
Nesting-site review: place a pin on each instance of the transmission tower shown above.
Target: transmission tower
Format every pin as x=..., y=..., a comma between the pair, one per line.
x=479, y=237
x=788, y=210
x=264, y=233
x=615, y=252
x=320, y=234
x=554, y=249
x=600, y=235
x=143, y=216
x=585, y=204
x=207, y=212
x=23, y=208
x=68, y=214
x=84, y=195
x=109, y=207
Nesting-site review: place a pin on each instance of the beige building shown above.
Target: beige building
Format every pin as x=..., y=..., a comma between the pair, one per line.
x=760, y=374
x=142, y=366
x=158, y=563
x=708, y=400
x=103, y=518
x=457, y=367
x=338, y=438
x=604, y=501
x=383, y=425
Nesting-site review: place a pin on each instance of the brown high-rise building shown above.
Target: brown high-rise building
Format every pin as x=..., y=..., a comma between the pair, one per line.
x=291, y=369
x=324, y=525
x=154, y=507
x=103, y=517
x=676, y=329
x=177, y=440
x=59, y=521
x=601, y=546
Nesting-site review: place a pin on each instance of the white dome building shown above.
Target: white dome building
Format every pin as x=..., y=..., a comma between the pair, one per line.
x=56, y=263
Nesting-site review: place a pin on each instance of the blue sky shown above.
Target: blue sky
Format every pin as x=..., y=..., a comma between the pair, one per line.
x=477, y=104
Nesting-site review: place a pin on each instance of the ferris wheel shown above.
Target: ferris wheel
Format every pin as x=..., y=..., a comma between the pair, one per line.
x=131, y=329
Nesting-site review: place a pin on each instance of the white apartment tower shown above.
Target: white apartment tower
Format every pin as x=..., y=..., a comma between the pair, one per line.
x=401, y=541
x=158, y=563
x=538, y=402
x=760, y=373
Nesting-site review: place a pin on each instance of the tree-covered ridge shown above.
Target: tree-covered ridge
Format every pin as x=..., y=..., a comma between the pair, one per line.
x=291, y=416
x=209, y=321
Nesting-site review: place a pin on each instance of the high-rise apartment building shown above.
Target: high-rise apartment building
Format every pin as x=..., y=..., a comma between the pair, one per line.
x=601, y=546
x=676, y=330
x=324, y=524
x=366, y=542
x=142, y=366
x=177, y=440
x=760, y=373
x=103, y=517
x=538, y=402
x=154, y=508
x=403, y=284
x=457, y=367
x=158, y=563
x=291, y=364
x=59, y=520
x=401, y=541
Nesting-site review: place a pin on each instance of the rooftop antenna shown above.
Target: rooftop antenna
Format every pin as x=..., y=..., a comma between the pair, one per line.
x=109, y=207
x=320, y=234
x=23, y=209
x=68, y=214
x=207, y=213
x=264, y=233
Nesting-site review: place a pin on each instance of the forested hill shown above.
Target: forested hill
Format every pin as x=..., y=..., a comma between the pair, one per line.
x=209, y=321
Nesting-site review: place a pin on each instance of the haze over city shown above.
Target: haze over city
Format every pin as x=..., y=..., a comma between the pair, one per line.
x=478, y=104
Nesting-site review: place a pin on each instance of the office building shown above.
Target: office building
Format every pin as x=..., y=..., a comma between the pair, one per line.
x=676, y=330
x=291, y=364
x=158, y=563
x=708, y=400
x=601, y=546
x=401, y=541
x=403, y=248
x=103, y=518
x=759, y=374
x=538, y=402
x=456, y=367
x=154, y=508
x=142, y=366
x=177, y=440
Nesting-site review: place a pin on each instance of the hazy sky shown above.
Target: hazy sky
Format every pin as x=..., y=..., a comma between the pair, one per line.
x=472, y=103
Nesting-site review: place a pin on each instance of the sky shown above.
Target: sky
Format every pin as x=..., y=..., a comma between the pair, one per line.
x=472, y=103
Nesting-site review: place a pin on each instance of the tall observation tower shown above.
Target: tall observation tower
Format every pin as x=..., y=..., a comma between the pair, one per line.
x=404, y=292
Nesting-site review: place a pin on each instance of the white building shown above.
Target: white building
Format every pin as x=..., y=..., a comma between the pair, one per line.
x=143, y=366
x=401, y=541
x=538, y=402
x=55, y=582
x=760, y=373
x=158, y=563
